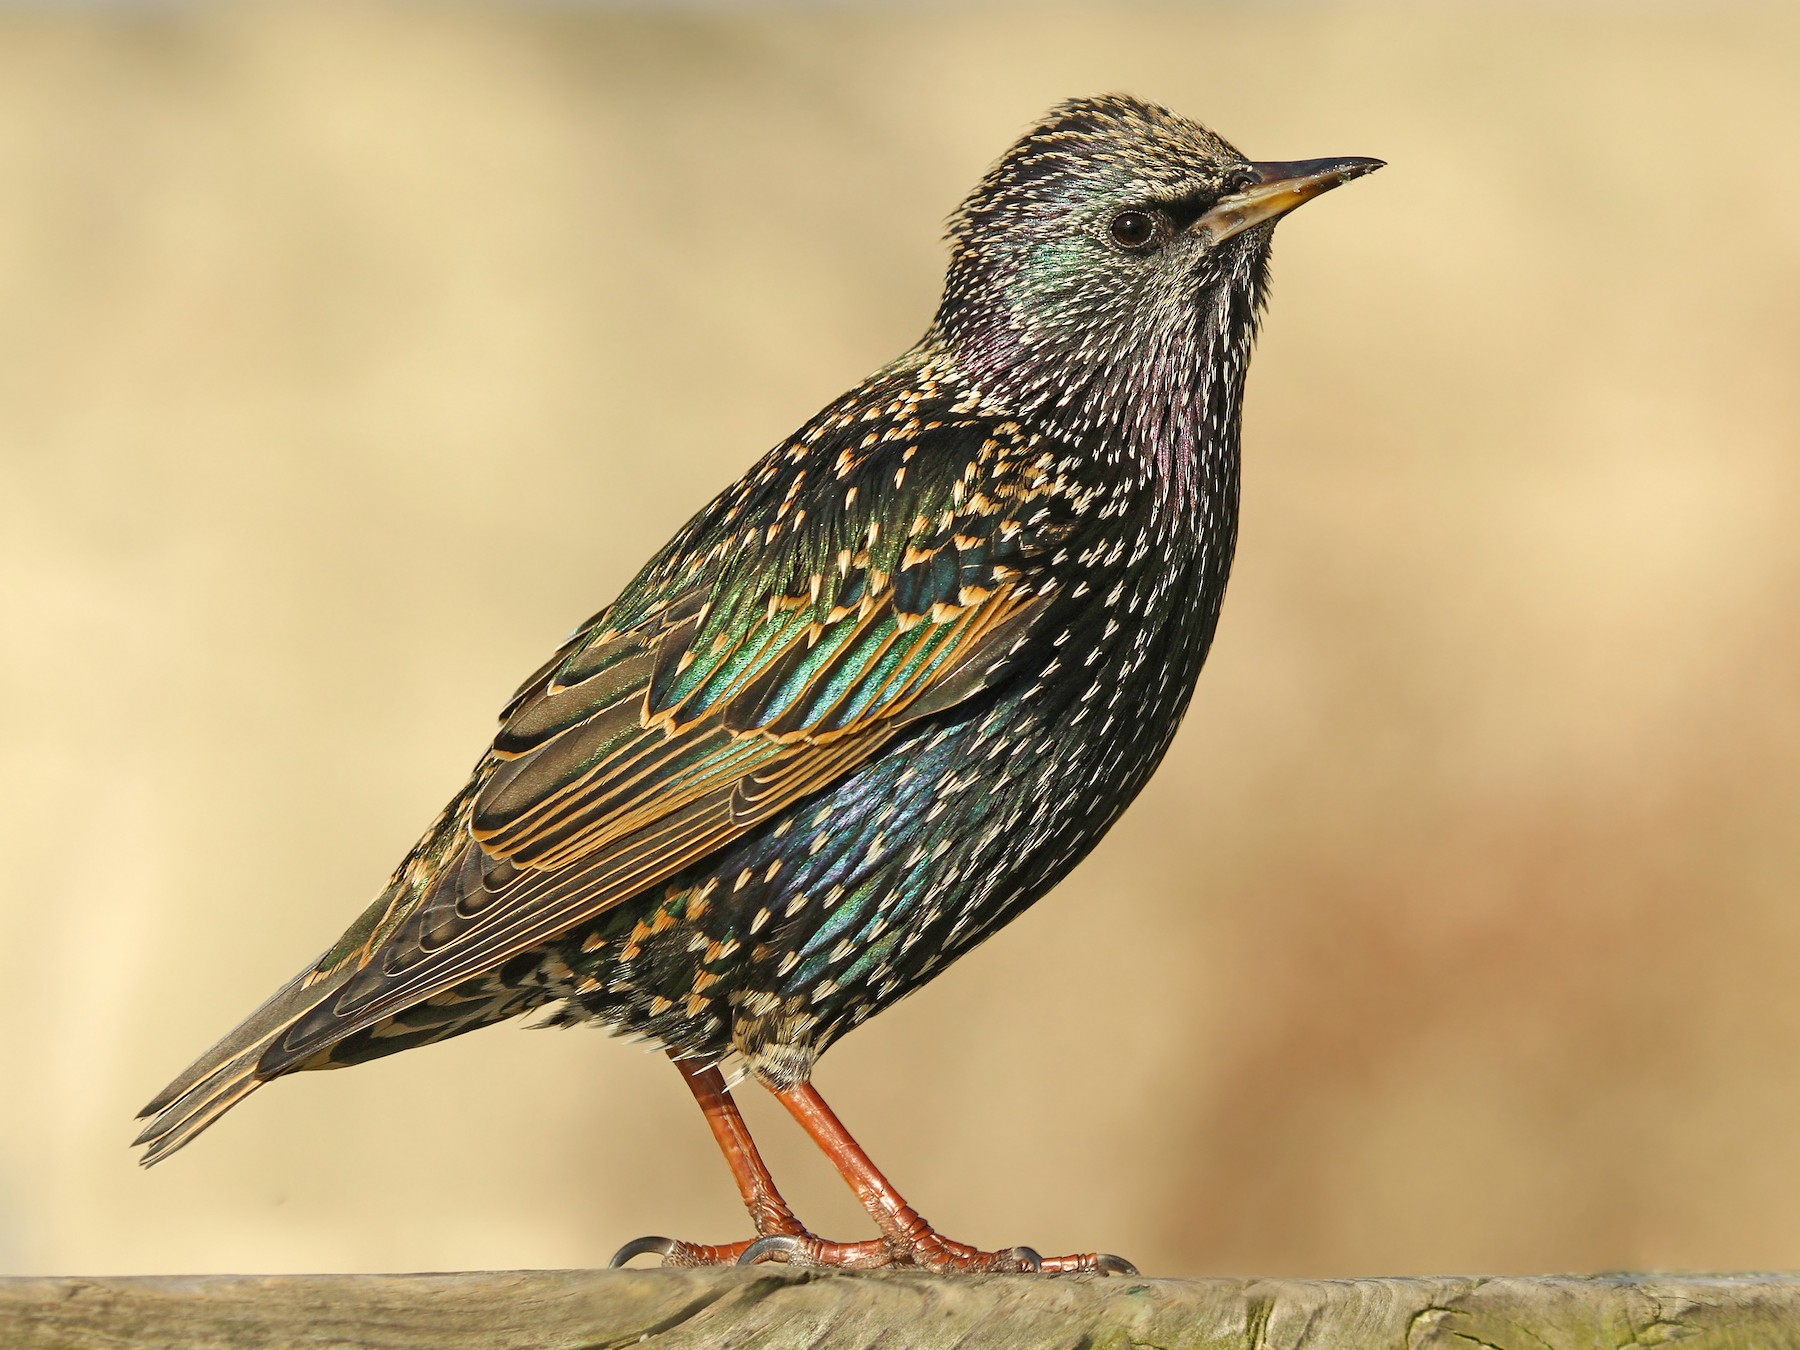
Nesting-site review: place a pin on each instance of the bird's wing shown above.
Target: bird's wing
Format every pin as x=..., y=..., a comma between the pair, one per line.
x=642, y=748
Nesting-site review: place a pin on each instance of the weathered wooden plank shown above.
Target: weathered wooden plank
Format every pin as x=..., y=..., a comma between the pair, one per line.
x=771, y=1309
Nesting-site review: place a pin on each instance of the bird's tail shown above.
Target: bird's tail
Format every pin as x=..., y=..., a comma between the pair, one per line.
x=227, y=1073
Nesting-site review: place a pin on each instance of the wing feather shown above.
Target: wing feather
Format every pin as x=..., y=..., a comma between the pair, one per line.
x=601, y=810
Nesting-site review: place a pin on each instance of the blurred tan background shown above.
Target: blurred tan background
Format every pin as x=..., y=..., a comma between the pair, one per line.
x=350, y=355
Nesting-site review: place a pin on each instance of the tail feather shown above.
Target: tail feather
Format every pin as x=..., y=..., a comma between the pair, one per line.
x=227, y=1073
x=200, y=1106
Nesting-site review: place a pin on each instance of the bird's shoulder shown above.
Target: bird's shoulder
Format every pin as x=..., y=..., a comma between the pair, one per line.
x=886, y=485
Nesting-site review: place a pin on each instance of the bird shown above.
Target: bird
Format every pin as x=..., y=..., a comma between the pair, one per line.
x=877, y=697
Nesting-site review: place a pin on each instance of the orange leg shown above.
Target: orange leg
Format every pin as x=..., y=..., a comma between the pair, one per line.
x=768, y=1211
x=907, y=1239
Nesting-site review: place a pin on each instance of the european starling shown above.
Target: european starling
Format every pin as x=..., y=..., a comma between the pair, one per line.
x=880, y=695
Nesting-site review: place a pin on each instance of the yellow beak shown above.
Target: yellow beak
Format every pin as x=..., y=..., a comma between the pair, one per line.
x=1280, y=187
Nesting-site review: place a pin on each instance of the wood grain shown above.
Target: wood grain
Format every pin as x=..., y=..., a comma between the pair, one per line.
x=588, y=1310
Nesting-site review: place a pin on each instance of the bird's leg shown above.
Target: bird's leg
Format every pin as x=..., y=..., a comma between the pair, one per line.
x=907, y=1239
x=768, y=1211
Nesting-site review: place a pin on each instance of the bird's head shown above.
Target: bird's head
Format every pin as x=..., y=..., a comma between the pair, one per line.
x=1113, y=243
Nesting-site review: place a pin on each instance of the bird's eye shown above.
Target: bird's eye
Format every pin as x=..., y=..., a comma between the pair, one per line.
x=1133, y=229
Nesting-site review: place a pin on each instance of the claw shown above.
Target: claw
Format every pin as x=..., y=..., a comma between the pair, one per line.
x=804, y=1249
x=765, y=1247
x=662, y=1246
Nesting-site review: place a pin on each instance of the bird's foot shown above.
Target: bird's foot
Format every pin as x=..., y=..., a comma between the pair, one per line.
x=926, y=1251
x=675, y=1252
x=930, y=1251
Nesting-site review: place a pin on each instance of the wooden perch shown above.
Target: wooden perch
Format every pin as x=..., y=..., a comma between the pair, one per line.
x=771, y=1308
